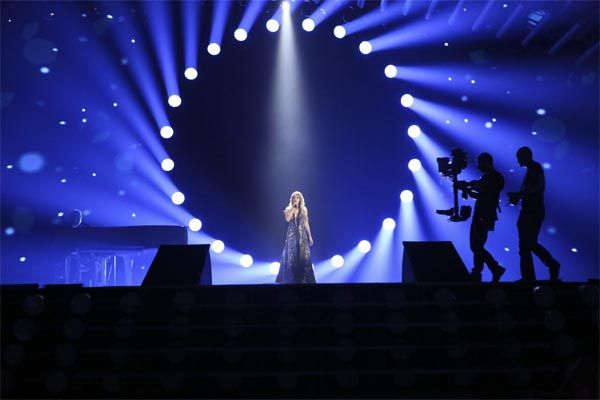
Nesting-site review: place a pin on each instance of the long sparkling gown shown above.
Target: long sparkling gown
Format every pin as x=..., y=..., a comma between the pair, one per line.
x=296, y=264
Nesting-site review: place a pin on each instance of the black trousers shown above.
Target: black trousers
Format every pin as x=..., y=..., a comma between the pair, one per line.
x=478, y=236
x=529, y=225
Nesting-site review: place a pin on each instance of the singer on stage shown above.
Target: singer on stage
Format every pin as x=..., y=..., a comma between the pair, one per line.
x=296, y=264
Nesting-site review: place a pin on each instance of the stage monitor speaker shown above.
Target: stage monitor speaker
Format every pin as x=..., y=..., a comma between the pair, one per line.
x=432, y=262
x=180, y=265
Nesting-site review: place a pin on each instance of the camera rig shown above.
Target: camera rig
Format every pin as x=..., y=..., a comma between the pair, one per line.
x=451, y=167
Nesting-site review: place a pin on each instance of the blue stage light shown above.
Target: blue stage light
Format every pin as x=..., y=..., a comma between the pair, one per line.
x=167, y=164
x=414, y=131
x=174, y=100
x=44, y=70
x=31, y=162
x=488, y=125
x=9, y=231
x=414, y=165
x=365, y=47
x=574, y=250
x=213, y=49
x=246, y=261
x=391, y=71
x=389, y=224
x=285, y=6
x=337, y=261
x=541, y=111
x=177, y=198
x=240, y=34
x=308, y=25
x=195, y=224
x=166, y=132
x=190, y=73
x=272, y=25
x=364, y=246
x=407, y=100
x=217, y=246
x=339, y=32
x=22, y=259
x=406, y=196
x=274, y=268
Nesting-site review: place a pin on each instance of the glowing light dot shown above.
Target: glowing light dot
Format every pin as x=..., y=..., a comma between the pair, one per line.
x=506, y=249
x=44, y=70
x=83, y=110
x=365, y=47
x=240, y=34
x=166, y=132
x=132, y=40
x=547, y=165
x=246, y=261
x=133, y=215
x=217, y=246
x=414, y=131
x=195, y=224
x=174, y=100
x=450, y=78
x=414, y=165
x=534, y=133
x=389, y=224
x=574, y=250
x=446, y=44
x=488, y=125
x=391, y=71
x=339, y=32
x=337, y=261
x=62, y=123
x=466, y=120
x=167, y=164
x=109, y=16
x=177, y=198
x=115, y=104
x=364, y=246
x=93, y=174
x=540, y=111
x=63, y=180
x=406, y=196
x=60, y=214
x=272, y=25
x=493, y=119
x=213, y=49
x=9, y=231
x=54, y=49
x=464, y=98
x=84, y=120
x=504, y=5
x=190, y=73
x=473, y=81
x=308, y=25
x=407, y=100
x=9, y=166
x=448, y=121
x=22, y=259
x=274, y=268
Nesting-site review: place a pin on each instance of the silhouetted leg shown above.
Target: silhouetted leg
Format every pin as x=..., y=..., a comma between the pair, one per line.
x=477, y=238
x=527, y=239
x=540, y=251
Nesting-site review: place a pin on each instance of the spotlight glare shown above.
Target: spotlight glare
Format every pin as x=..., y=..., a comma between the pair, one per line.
x=364, y=246
x=365, y=47
x=337, y=261
x=44, y=70
x=166, y=132
x=174, y=100
x=391, y=71
x=414, y=165
x=407, y=100
x=414, y=131
x=217, y=246
x=389, y=224
x=272, y=25
x=246, y=261
x=177, y=198
x=191, y=73
x=167, y=164
x=274, y=268
x=195, y=224
x=406, y=196
x=541, y=111
x=308, y=25
x=285, y=6
x=488, y=125
x=240, y=34
x=213, y=49
x=339, y=32
x=22, y=259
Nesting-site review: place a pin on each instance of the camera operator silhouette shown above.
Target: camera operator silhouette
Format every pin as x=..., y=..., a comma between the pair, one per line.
x=486, y=192
x=531, y=217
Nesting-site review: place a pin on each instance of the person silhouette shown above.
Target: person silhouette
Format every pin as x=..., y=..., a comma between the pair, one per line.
x=486, y=192
x=531, y=217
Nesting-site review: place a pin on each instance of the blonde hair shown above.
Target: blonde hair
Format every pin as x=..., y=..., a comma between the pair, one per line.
x=302, y=207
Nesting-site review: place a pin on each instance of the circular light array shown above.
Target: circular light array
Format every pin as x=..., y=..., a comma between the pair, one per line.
x=391, y=71
x=389, y=224
x=407, y=100
x=166, y=132
x=365, y=47
x=274, y=268
x=177, y=198
x=272, y=25
x=337, y=261
x=414, y=131
x=406, y=196
x=174, y=100
x=217, y=246
x=246, y=261
x=364, y=246
x=191, y=73
x=195, y=224
x=240, y=34
x=213, y=49
x=308, y=25
x=167, y=164
x=414, y=165
x=339, y=32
